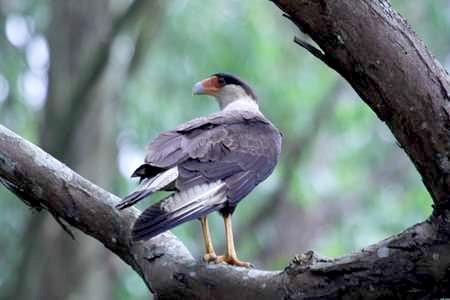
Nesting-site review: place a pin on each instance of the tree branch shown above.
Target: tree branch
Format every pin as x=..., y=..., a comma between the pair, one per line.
x=170, y=271
x=375, y=50
x=163, y=262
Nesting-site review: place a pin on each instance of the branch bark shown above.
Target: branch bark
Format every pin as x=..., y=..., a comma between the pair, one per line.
x=416, y=260
x=375, y=50
x=371, y=46
x=164, y=263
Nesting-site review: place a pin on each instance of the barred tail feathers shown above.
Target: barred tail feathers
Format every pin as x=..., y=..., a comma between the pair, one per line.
x=149, y=186
x=179, y=208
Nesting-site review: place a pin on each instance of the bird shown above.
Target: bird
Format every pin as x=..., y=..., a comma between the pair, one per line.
x=209, y=164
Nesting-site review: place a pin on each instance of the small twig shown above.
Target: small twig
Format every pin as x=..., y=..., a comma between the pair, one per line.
x=30, y=201
x=290, y=18
x=311, y=49
x=63, y=225
x=15, y=189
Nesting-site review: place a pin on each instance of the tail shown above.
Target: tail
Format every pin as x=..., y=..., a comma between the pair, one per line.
x=179, y=208
x=149, y=186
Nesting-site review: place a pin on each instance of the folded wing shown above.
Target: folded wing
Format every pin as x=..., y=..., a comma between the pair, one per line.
x=218, y=161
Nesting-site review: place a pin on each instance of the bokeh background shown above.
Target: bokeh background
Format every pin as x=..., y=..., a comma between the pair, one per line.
x=93, y=81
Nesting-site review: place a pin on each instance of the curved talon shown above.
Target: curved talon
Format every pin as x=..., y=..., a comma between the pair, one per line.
x=233, y=261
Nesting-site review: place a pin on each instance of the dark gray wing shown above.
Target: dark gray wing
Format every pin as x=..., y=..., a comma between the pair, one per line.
x=241, y=153
x=231, y=146
x=170, y=148
x=163, y=153
x=239, y=149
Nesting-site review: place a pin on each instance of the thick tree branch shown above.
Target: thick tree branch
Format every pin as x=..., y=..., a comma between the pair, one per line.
x=375, y=50
x=171, y=272
x=164, y=263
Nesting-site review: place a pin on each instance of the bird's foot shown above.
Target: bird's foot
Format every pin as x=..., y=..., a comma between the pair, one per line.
x=233, y=261
x=210, y=257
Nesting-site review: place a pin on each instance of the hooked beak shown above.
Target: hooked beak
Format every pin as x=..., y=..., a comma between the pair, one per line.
x=209, y=86
x=197, y=89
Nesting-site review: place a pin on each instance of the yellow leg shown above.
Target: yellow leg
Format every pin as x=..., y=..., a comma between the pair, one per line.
x=210, y=254
x=230, y=256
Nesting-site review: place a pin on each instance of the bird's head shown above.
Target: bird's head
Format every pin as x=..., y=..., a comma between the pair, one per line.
x=226, y=89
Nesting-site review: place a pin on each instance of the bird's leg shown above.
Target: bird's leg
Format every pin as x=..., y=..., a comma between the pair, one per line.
x=230, y=256
x=210, y=254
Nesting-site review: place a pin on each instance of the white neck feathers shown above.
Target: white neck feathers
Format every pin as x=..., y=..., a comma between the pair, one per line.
x=234, y=97
x=243, y=103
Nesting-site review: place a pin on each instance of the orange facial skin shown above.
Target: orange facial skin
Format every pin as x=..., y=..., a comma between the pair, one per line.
x=208, y=86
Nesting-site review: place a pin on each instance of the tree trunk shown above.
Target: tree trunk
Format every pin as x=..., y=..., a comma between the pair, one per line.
x=60, y=267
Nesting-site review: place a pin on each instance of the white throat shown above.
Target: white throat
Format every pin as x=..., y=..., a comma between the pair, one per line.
x=243, y=103
x=233, y=97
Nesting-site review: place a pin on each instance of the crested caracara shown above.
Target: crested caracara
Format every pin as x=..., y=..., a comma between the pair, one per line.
x=210, y=163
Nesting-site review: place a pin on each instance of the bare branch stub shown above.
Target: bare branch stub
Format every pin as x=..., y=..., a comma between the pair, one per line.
x=311, y=49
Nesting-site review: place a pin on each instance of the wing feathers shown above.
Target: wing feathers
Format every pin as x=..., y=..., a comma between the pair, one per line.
x=165, y=150
x=149, y=186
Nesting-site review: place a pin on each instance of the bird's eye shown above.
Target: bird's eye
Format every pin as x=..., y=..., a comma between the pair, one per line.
x=221, y=81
